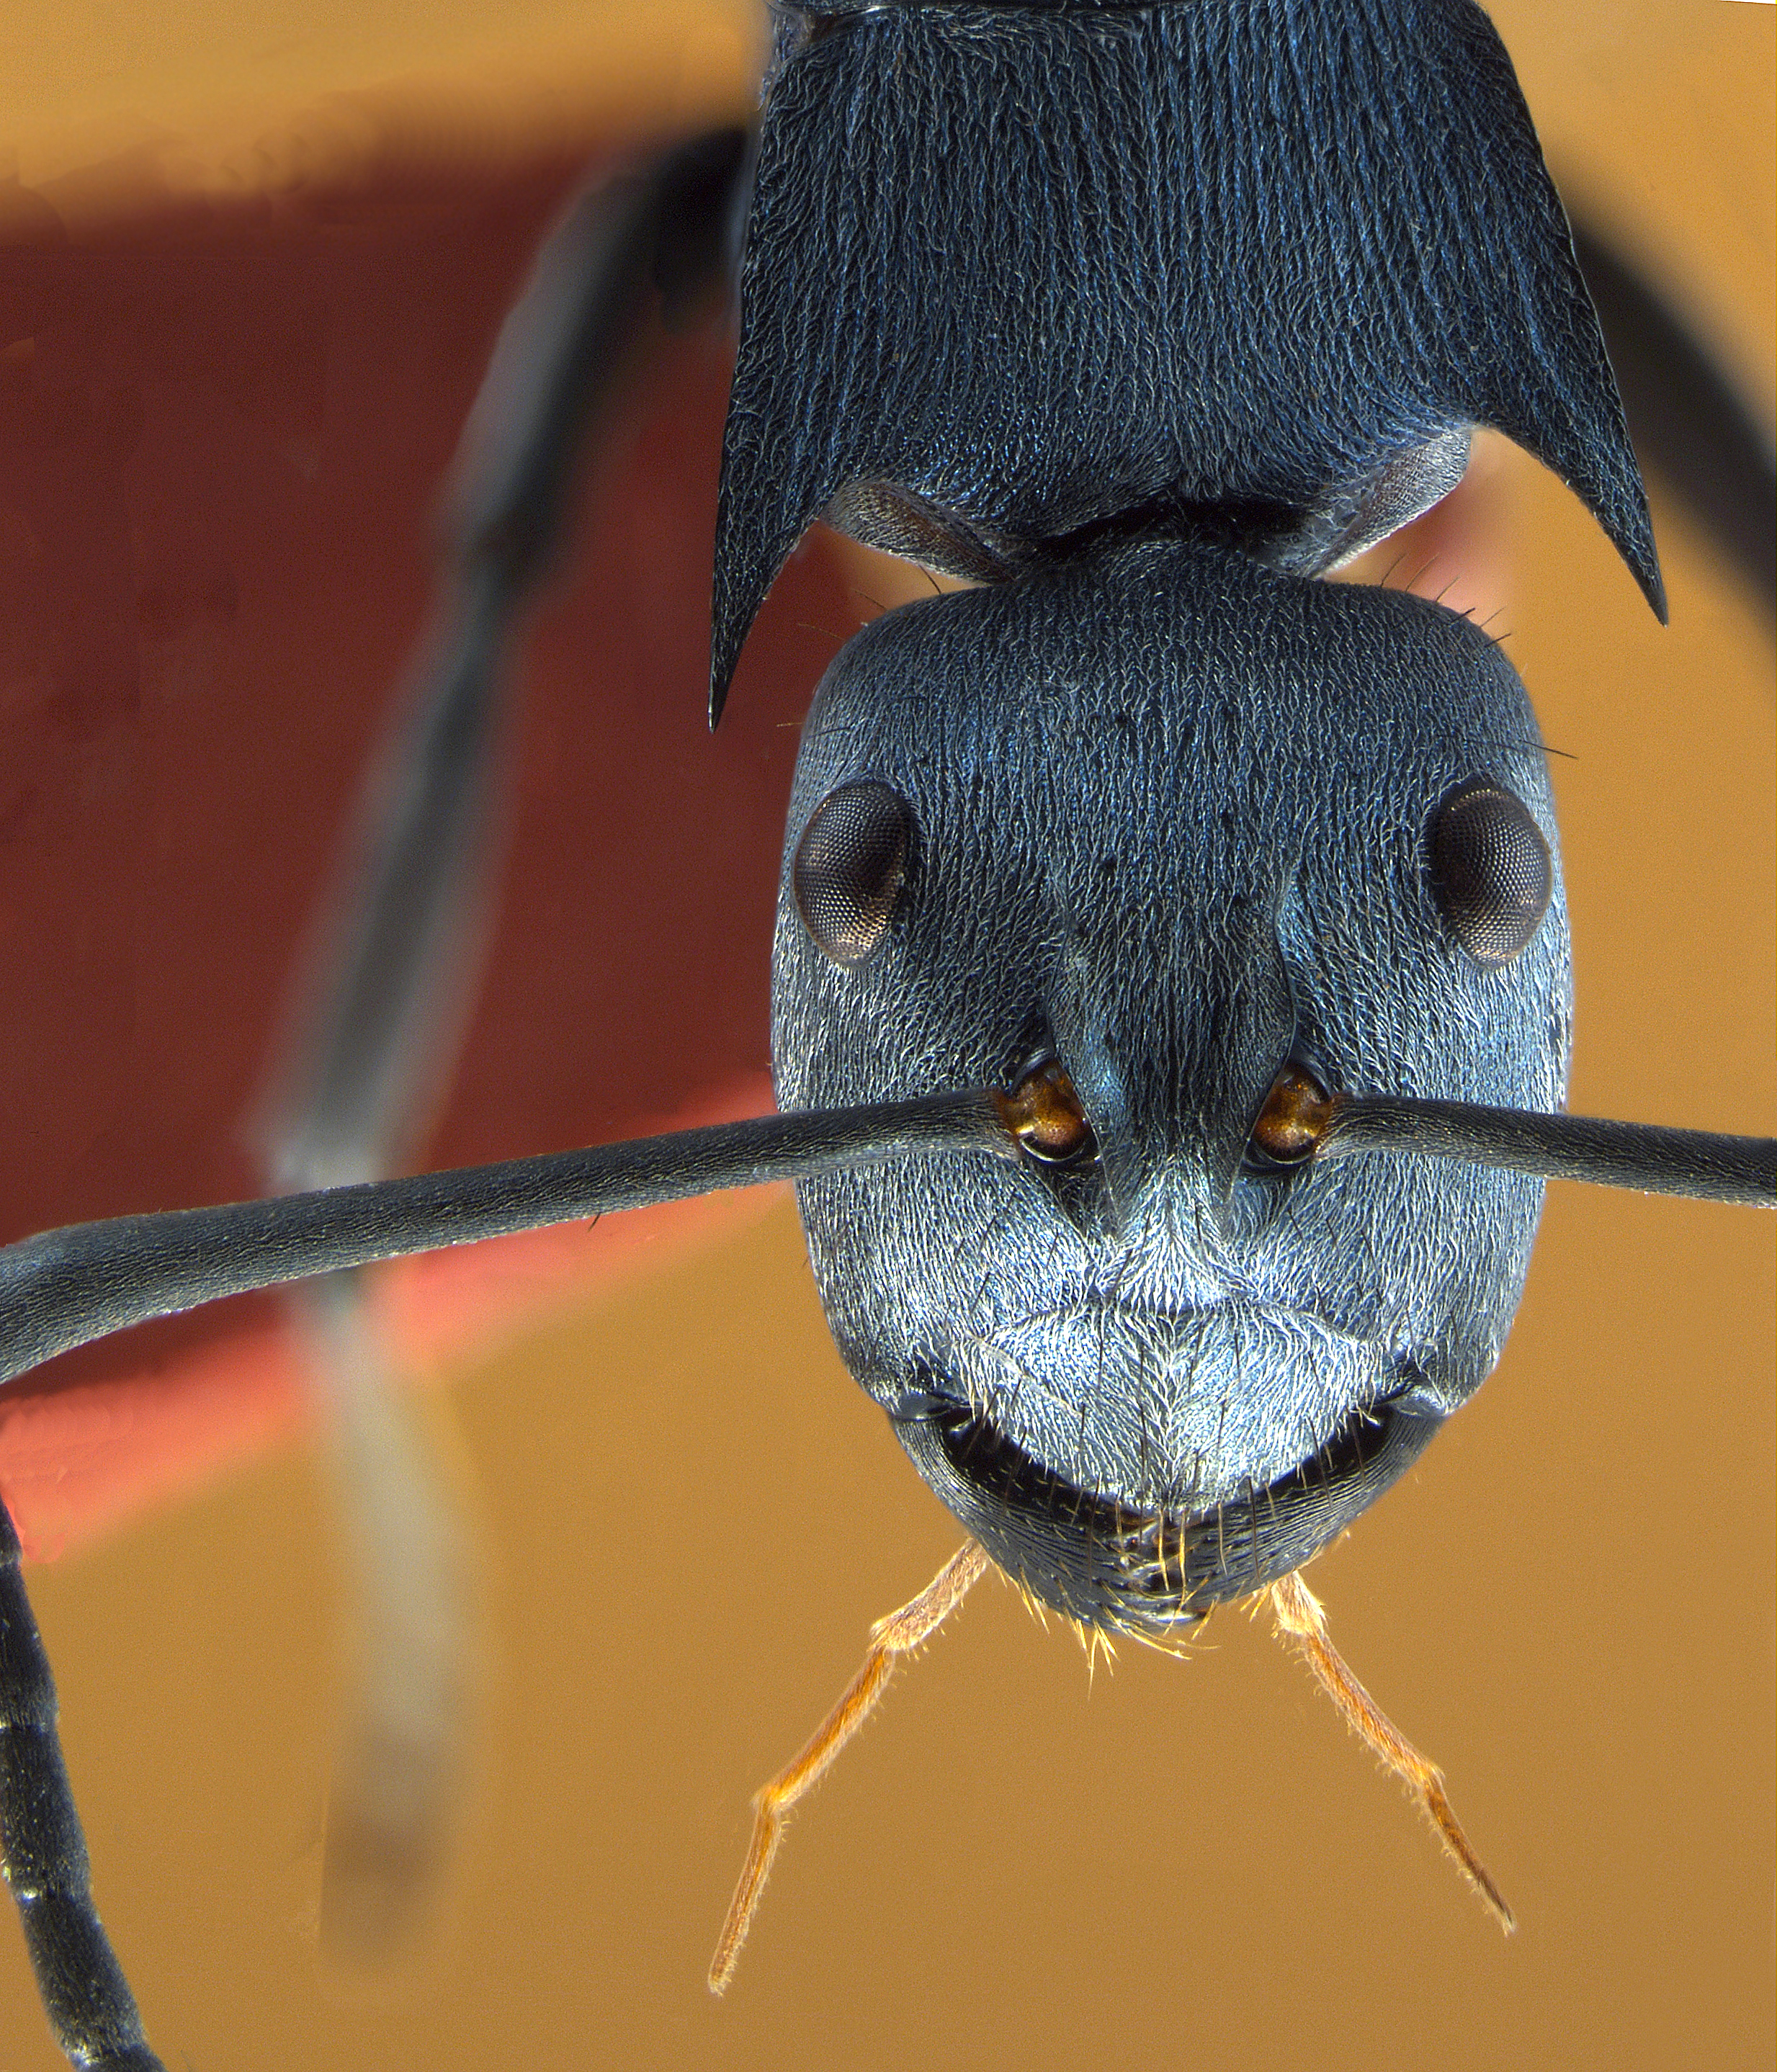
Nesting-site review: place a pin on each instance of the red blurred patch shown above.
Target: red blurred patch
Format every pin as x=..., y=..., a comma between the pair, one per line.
x=221, y=433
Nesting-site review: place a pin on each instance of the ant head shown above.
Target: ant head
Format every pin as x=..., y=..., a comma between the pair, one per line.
x=1142, y=831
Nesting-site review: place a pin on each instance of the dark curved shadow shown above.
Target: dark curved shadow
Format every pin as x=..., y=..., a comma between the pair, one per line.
x=1688, y=422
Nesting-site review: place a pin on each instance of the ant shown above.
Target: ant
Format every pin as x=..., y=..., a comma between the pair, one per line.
x=1065, y=1183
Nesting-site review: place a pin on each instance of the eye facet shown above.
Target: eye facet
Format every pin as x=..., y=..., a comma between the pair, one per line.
x=1490, y=870
x=849, y=866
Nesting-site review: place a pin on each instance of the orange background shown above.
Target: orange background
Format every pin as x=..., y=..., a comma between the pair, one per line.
x=690, y=1513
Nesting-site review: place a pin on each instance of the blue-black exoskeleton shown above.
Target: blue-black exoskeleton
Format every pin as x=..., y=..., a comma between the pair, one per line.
x=1126, y=898
x=1171, y=807
x=1170, y=819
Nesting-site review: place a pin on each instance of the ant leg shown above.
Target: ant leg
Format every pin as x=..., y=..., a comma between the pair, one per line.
x=401, y=1767
x=889, y=1639
x=1687, y=420
x=388, y=982
x=389, y=990
x=1300, y=1619
x=91, y=2009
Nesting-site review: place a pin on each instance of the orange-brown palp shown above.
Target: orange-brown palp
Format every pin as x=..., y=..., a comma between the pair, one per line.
x=1300, y=1619
x=889, y=1639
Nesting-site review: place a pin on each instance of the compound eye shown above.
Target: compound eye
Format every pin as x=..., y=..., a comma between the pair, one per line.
x=849, y=870
x=1490, y=870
